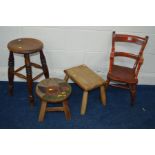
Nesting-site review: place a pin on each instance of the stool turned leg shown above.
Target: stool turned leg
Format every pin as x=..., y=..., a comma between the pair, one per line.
x=29, y=77
x=42, y=111
x=66, y=110
x=66, y=78
x=11, y=72
x=84, y=102
x=103, y=95
x=44, y=65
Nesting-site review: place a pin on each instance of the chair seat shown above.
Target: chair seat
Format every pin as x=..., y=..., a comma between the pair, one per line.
x=122, y=74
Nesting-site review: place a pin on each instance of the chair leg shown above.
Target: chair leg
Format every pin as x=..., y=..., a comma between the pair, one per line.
x=103, y=95
x=132, y=92
x=42, y=111
x=84, y=102
x=107, y=83
x=66, y=110
x=11, y=72
x=29, y=78
x=44, y=64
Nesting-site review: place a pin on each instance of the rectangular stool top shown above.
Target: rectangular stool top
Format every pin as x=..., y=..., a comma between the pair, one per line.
x=86, y=78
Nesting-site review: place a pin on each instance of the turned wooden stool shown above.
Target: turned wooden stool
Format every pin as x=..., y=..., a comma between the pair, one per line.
x=26, y=46
x=53, y=90
x=85, y=78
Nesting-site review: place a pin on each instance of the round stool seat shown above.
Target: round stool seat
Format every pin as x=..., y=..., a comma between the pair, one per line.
x=25, y=45
x=53, y=90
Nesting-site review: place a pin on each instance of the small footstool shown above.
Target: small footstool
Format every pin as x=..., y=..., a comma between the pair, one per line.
x=53, y=90
x=87, y=79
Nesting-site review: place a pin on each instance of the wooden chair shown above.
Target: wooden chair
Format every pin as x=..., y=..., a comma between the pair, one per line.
x=121, y=76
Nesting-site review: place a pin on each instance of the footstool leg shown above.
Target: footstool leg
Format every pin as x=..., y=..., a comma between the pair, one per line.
x=84, y=102
x=66, y=78
x=66, y=110
x=11, y=72
x=42, y=111
x=29, y=78
x=103, y=95
x=44, y=65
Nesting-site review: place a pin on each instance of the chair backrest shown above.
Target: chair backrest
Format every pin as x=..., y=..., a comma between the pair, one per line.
x=129, y=39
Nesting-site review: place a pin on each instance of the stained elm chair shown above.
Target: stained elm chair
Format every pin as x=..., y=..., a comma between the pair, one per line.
x=26, y=47
x=122, y=76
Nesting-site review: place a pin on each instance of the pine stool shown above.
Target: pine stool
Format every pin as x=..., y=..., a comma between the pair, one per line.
x=54, y=91
x=87, y=79
x=26, y=46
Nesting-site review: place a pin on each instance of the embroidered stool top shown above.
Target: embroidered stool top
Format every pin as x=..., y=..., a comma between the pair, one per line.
x=53, y=90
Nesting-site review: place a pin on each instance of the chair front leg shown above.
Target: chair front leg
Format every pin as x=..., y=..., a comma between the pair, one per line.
x=132, y=88
x=107, y=83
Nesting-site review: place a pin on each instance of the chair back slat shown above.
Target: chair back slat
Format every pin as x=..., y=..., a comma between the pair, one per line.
x=129, y=39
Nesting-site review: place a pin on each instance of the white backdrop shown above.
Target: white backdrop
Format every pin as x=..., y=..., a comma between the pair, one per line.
x=65, y=47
